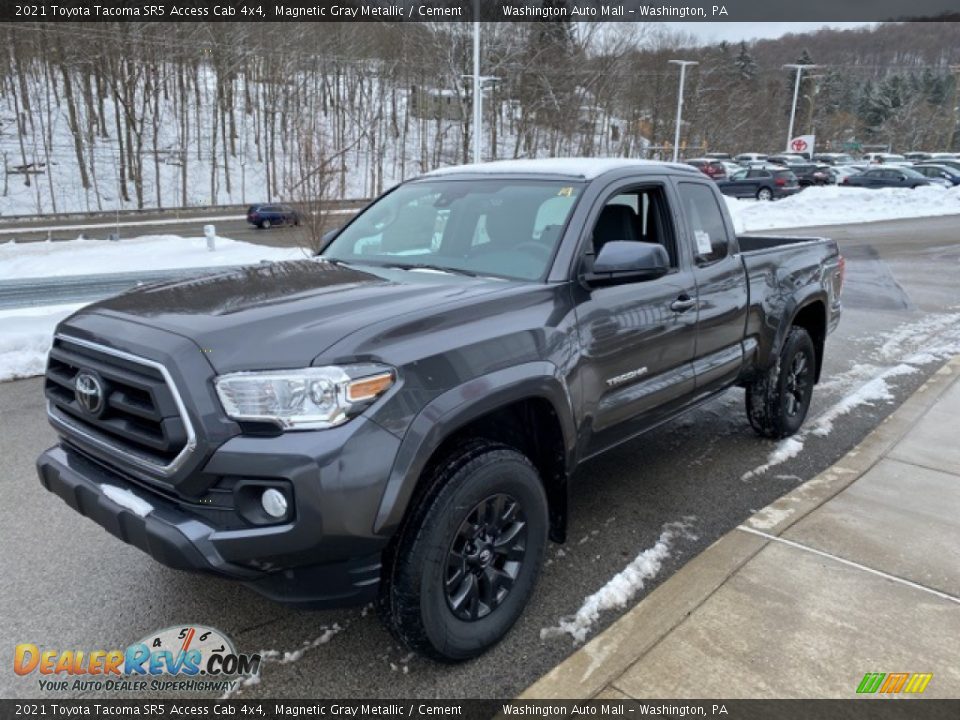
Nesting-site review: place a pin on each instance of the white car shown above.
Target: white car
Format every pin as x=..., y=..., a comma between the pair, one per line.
x=745, y=158
x=886, y=159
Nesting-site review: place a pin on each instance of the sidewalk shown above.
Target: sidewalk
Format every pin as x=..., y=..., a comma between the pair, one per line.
x=855, y=571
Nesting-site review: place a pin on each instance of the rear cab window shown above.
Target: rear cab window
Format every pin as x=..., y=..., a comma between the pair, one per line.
x=705, y=220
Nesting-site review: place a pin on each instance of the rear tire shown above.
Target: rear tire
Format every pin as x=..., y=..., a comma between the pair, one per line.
x=764, y=194
x=467, y=560
x=778, y=400
x=266, y=224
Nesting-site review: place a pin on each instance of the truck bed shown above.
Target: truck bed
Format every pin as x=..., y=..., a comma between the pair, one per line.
x=758, y=243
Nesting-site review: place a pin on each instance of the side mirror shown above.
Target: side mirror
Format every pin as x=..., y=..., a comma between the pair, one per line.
x=626, y=260
x=329, y=235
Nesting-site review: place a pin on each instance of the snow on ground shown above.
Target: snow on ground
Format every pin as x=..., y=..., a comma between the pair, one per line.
x=623, y=587
x=149, y=252
x=903, y=351
x=26, y=333
x=283, y=657
x=838, y=205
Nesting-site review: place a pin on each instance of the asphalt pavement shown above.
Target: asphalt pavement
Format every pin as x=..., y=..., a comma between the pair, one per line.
x=69, y=584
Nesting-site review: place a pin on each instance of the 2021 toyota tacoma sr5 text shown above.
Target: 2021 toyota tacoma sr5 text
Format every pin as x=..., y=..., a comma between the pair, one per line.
x=398, y=418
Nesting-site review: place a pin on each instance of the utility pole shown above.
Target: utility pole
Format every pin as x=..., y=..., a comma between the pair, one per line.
x=676, y=136
x=796, y=92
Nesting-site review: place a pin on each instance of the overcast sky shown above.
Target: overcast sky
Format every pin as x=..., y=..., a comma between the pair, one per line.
x=710, y=32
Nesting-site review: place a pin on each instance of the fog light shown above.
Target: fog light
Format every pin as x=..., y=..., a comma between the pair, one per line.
x=274, y=503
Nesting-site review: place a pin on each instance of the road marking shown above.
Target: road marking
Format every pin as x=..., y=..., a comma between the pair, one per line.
x=147, y=223
x=851, y=563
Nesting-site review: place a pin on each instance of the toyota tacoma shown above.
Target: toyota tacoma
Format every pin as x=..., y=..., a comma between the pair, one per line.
x=398, y=419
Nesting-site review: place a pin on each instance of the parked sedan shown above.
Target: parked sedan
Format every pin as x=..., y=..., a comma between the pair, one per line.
x=760, y=183
x=884, y=177
x=946, y=162
x=268, y=216
x=941, y=174
x=713, y=169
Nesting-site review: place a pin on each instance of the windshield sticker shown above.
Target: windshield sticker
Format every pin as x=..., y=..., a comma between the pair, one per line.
x=565, y=192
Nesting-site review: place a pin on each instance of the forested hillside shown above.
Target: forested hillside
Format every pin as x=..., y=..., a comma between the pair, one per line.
x=110, y=115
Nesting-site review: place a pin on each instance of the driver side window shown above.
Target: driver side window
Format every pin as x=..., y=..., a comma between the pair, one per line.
x=637, y=215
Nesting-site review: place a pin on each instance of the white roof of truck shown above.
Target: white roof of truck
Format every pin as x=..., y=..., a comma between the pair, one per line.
x=586, y=168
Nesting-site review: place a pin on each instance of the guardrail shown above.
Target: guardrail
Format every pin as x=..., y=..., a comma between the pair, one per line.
x=62, y=290
x=198, y=210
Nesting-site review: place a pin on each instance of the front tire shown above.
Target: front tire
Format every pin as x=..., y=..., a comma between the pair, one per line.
x=266, y=225
x=467, y=561
x=778, y=400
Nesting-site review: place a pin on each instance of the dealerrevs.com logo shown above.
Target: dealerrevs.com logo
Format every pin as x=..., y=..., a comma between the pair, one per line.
x=181, y=658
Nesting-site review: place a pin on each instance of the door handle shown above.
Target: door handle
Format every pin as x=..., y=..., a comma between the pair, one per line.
x=682, y=304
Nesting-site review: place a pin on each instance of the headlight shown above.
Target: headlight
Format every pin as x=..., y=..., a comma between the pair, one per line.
x=308, y=399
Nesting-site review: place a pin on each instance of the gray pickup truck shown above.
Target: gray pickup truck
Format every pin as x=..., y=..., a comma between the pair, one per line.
x=398, y=419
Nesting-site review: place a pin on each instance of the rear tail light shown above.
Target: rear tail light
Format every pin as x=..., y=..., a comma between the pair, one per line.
x=779, y=182
x=841, y=272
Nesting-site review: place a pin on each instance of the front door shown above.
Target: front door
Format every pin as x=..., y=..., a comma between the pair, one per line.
x=637, y=338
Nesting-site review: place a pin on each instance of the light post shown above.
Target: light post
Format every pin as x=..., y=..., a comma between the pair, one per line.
x=683, y=71
x=796, y=92
x=477, y=93
x=478, y=81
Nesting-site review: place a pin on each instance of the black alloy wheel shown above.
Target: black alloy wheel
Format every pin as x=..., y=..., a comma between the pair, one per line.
x=797, y=385
x=485, y=557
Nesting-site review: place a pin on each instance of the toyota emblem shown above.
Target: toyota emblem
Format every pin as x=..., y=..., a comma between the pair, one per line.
x=89, y=392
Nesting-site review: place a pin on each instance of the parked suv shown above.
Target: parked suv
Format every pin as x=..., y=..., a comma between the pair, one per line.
x=761, y=183
x=399, y=419
x=268, y=216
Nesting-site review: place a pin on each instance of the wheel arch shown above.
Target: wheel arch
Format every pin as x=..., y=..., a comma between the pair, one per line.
x=811, y=315
x=525, y=407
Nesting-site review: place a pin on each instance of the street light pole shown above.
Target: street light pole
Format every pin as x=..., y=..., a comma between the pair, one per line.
x=796, y=92
x=683, y=71
x=477, y=92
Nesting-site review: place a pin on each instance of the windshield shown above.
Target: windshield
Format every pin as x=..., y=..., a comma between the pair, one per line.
x=502, y=228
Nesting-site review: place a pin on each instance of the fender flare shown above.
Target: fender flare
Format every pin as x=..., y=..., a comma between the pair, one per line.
x=793, y=308
x=459, y=406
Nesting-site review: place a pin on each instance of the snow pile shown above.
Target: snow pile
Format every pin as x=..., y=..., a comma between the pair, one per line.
x=838, y=205
x=623, y=587
x=149, y=252
x=26, y=333
x=25, y=337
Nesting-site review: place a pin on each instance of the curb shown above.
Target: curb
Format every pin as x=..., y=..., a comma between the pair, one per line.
x=607, y=656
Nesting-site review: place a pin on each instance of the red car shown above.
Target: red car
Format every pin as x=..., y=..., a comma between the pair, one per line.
x=708, y=166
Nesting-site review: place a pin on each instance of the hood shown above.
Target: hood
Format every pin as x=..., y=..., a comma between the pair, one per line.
x=283, y=315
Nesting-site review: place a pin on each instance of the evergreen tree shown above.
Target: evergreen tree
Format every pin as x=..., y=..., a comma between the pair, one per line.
x=745, y=63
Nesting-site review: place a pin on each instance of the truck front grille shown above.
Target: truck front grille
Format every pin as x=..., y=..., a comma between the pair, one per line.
x=117, y=402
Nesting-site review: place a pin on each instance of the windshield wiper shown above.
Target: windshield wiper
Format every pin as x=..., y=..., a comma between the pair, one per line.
x=425, y=266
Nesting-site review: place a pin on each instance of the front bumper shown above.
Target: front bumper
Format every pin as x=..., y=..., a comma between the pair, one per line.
x=325, y=555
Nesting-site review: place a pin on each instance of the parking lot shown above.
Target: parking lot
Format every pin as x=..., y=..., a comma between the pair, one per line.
x=71, y=585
